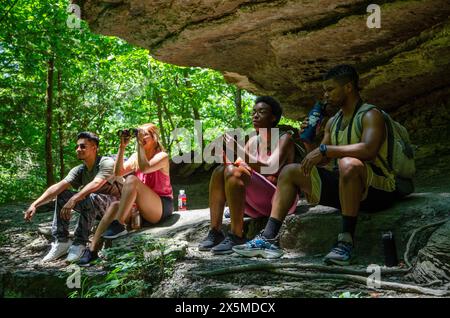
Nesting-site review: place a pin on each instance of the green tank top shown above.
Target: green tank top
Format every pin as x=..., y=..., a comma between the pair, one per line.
x=379, y=176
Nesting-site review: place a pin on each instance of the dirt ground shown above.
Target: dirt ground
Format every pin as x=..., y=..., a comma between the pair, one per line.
x=22, y=245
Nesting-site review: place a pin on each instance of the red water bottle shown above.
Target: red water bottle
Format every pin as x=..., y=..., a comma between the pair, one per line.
x=182, y=201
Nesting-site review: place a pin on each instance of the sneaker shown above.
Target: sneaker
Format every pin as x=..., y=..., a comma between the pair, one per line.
x=115, y=230
x=75, y=252
x=259, y=246
x=226, y=213
x=57, y=250
x=226, y=246
x=87, y=257
x=214, y=237
x=341, y=253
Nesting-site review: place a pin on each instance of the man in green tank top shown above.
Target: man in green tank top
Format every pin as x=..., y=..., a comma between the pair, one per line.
x=345, y=171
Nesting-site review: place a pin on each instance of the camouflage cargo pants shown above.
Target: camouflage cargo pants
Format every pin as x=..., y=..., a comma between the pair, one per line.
x=93, y=206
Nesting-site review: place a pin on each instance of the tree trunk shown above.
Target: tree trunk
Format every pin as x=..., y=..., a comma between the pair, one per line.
x=60, y=129
x=195, y=111
x=238, y=105
x=48, y=133
x=160, y=121
x=171, y=124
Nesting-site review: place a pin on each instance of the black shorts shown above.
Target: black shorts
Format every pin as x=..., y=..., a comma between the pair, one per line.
x=167, y=210
x=329, y=195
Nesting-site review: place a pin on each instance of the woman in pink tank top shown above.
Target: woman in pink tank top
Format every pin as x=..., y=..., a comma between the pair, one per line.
x=247, y=184
x=147, y=187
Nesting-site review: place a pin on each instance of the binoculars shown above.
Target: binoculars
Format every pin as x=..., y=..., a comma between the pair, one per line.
x=128, y=133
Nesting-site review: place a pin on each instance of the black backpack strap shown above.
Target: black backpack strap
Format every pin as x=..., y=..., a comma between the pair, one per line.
x=336, y=133
x=350, y=125
x=390, y=137
x=349, y=130
x=337, y=120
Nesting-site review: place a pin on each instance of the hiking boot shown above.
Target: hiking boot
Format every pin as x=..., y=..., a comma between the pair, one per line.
x=259, y=246
x=226, y=246
x=214, y=237
x=57, y=250
x=75, y=252
x=87, y=257
x=115, y=230
x=341, y=253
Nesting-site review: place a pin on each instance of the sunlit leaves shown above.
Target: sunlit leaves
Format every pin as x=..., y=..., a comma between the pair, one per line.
x=106, y=84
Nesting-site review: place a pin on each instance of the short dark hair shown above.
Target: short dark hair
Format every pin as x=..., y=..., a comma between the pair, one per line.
x=277, y=111
x=343, y=74
x=89, y=136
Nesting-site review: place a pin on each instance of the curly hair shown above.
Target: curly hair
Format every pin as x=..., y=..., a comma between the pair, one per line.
x=277, y=111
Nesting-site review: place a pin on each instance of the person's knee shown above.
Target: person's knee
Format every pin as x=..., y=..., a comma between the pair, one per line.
x=289, y=173
x=234, y=176
x=218, y=173
x=63, y=197
x=131, y=181
x=350, y=168
x=219, y=169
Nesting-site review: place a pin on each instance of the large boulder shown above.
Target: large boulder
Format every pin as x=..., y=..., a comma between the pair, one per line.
x=315, y=231
x=433, y=261
x=312, y=230
x=282, y=48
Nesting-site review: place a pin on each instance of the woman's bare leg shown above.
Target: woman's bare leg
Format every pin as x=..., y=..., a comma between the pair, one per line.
x=129, y=193
x=110, y=215
x=236, y=179
x=217, y=197
x=148, y=202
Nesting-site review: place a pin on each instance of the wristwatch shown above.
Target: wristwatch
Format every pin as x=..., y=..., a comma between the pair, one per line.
x=323, y=149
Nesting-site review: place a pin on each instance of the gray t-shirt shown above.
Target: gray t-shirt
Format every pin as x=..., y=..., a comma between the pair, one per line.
x=103, y=168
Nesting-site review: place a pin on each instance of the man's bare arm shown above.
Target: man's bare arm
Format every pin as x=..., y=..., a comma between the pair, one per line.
x=373, y=135
x=48, y=195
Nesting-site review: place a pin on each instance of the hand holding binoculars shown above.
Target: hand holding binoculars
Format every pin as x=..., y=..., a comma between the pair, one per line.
x=128, y=133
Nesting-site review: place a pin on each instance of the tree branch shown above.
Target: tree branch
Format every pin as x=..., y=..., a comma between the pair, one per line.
x=316, y=267
x=404, y=288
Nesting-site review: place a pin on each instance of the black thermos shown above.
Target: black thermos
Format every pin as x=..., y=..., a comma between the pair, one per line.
x=390, y=251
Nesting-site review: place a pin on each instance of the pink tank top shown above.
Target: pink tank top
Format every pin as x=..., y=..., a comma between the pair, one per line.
x=272, y=177
x=157, y=181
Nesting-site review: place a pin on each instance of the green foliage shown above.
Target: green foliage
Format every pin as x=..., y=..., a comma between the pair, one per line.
x=290, y=122
x=100, y=84
x=348, y=295
x=131, y=272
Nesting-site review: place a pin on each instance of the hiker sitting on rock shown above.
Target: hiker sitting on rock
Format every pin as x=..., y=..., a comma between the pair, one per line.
x=241, y=184
x=355, y=148
x=148, y=187
x=94, y=178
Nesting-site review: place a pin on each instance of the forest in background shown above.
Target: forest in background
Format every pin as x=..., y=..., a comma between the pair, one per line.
x=57, y=79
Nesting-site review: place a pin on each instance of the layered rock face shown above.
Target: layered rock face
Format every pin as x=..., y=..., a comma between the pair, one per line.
x=283, y=48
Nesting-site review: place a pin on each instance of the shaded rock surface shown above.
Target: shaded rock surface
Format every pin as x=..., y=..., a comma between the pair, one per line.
x=306, y=237
x=22, y=247
x=433, y=261
x=282, y=48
